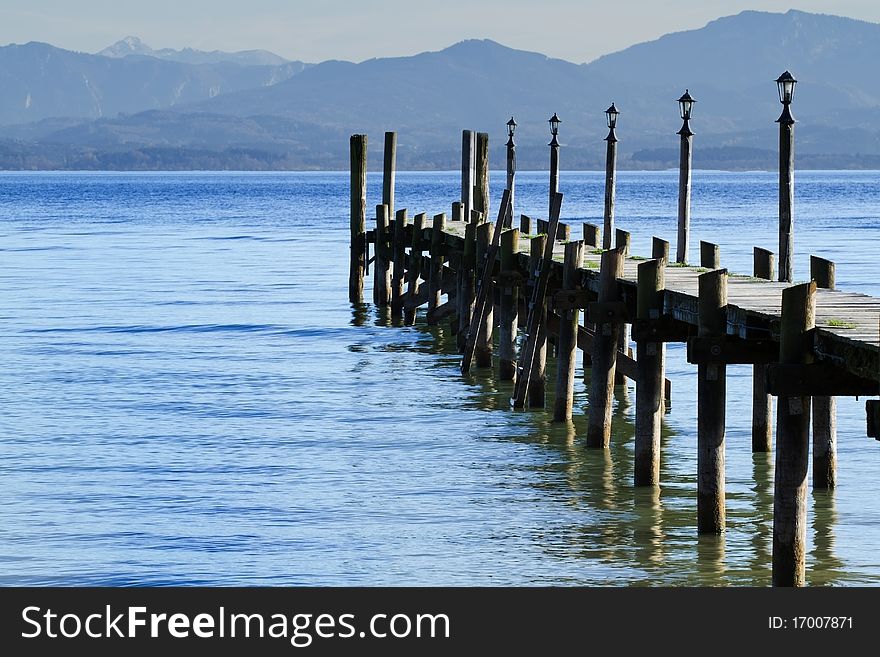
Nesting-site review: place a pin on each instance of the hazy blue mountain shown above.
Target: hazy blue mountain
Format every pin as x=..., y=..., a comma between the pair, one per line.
x=132, y=46
x=41, y=81
x=729, y=65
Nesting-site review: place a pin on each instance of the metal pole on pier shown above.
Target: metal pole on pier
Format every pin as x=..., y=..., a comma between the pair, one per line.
x=554, y=162
x=686, y=105
x=785, y=84
x=511, y=169
x=610, y=173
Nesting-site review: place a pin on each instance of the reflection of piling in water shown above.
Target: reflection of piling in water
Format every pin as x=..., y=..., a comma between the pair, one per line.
x=826, y=567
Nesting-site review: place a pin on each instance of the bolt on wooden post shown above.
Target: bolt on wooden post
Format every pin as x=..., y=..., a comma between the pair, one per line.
x=650, y=362
x=358, y=263
x=762, y=403
x=568, y=332
x=793, y=441
x=824, y=408
x=605, y=346
x=711, y=402
x=509, y=306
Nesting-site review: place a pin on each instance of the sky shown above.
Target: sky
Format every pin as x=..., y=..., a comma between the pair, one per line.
x=355, y=30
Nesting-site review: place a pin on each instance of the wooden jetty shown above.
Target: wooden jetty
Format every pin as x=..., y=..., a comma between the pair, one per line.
x=807, y=342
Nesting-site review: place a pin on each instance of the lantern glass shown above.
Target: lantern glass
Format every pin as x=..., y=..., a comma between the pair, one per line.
x=511, y=127
x=611, y=116
x=554, y=124
x=686, y=105
x=785, y=85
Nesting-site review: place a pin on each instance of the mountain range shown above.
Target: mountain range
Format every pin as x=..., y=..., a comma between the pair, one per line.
x=133, y=107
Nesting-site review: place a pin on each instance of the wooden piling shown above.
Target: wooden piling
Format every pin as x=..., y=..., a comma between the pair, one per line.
x=465, y=283
x=435, y=278
x=399, y=255
x=650, y=361
x=792, y=441
x=358, y=261
x=509, y=306
x=711, y=403
x=591, y=235
x=468, y=148
x=824, y=408
x=389, y=169
x=622, y=238
x=457, y=211
x=762, y=403
x=382, y=266
x=710, y=255
x=563, y=233
x=415, y=269
x=537, y=387
x=525, y=224
x=483, y=349
x=660, y=249
x=481, y=184
x=605, y=346
x=568, y=331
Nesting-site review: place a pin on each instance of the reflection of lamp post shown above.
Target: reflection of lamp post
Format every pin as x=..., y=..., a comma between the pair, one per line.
x=685, y=106
x=554, y=161
x=785, y=85
x=610, y=167
x=511, y=169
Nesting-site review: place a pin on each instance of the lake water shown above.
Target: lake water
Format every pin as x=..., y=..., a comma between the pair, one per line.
x=188, y=398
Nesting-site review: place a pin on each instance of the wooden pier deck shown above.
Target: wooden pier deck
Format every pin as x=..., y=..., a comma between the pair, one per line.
x=513, y=292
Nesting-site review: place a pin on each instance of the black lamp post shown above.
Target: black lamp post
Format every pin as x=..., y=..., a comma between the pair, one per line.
x=611, y=115
x=511, y=169
x=785, y=85
x=554, y=161
x=685, y=106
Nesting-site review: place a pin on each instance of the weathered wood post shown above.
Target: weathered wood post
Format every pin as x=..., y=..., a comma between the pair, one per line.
x=511, y=169
x=684, y=178
x=710, y=255
x=537, y=387
x=605, y=347
x=711, y=402
x=481, y=200
x=824, y=408
x=382, y=268
x=785, y=84
x=762, y=403
x=591, y=235
x=389, y=169
x=623, y=240
x=610, y=176
x=457, y=211
x=660, y=249
x=483, y=350
x=563, y=232
x=792, y=441
x=435, y=278
x=465, y=280
x=525, y=224
x=568, y=333
x=358, y=262
x=415, y=269
x=509, y=306
x=468, y=150
x=399, y=254
x=650, y=363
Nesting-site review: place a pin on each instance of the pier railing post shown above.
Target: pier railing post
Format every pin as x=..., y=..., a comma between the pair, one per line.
x=568, y=331
x=793, y=441
x=591, y=235
x=525, y=224
x=710, y=255
x=711, y=402
x=660, y=249
x=509, y=307
x=415, y=269
x=824, y=408
x=650, y=374
x=382, y=269
x=605, y=347
x=389, y=169
x=762, y=402
x=358, y=148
